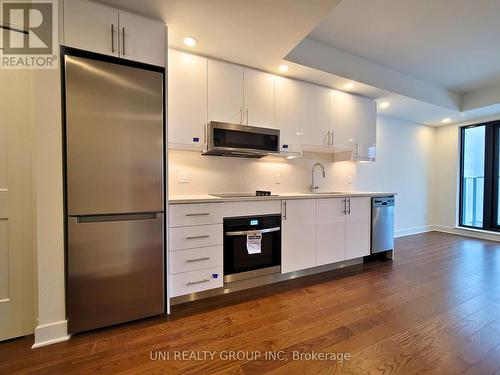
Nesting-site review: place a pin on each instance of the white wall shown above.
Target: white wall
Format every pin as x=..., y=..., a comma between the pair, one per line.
x=404, y=165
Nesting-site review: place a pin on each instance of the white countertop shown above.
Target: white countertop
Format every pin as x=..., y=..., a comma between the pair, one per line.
x=207, y=198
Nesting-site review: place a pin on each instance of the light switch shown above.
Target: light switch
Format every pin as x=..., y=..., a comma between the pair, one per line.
x=183, y=176
x=277, y=179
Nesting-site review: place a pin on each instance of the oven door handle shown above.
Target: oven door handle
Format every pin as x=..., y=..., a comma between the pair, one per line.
x=245, y=232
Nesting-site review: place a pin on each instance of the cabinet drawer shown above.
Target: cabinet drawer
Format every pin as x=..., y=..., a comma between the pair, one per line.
x=197, y=236
x=195, y=214
x=195, y=281
x=195, y=259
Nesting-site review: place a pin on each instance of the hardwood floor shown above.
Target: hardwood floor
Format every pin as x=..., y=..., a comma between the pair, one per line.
x=434, y=310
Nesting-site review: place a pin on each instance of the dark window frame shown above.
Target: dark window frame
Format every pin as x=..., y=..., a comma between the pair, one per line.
x=491, y=174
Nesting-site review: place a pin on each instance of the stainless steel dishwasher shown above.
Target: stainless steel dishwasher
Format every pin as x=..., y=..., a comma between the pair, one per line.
x=382, y=224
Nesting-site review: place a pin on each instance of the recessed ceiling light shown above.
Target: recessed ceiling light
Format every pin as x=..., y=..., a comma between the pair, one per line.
x=284, y=68
x=384, y=105
x=349, y=85
x=190, y=41
x=446, y=120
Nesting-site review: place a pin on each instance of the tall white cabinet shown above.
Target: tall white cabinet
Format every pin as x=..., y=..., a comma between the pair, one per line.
x=330, y=231
x=225, y=92
x=258, y=98
x=315, y=117
x=365, y=128
x=288, y=113
x=187, y=100
x=358, y=221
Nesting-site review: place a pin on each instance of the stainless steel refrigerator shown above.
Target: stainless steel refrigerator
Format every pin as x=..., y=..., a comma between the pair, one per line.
x=114, y=132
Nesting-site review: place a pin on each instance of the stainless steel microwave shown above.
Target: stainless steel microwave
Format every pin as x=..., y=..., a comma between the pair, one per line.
x=225, y=139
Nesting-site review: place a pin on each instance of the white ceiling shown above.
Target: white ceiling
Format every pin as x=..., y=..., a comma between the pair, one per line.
x=407, y=52
x=450, y=43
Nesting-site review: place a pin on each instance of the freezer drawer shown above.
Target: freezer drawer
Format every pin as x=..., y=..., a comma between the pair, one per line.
x=115, y=270
x=114, y=138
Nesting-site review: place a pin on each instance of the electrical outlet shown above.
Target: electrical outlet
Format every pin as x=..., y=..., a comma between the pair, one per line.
x=277, y=179
x=349, y=180
x=183, y=176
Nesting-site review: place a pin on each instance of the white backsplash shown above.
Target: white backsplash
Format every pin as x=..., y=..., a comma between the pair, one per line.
x=214, y=174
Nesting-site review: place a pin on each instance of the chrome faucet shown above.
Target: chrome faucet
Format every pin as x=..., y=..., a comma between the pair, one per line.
x=315, y=187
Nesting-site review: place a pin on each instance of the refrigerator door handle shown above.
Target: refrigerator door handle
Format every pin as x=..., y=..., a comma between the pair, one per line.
x=115, y=217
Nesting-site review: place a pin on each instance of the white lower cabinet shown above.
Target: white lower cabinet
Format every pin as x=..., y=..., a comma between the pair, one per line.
x=316, y=232
x=196, y=281
x=358, y=227
x=298, y=233
x=195, y=259
x=330, y=231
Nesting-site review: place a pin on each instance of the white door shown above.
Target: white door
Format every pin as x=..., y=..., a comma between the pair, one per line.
x=330, y=230
x=16, y=210
x=141, y=39
x=91, y=27
x=358, y=229
x=258, y=98
x=187, y=100
x=365, y=127
x=225, y=92
x=315, y=116
x=342, y=119
x=298, y=245
x=288, y=104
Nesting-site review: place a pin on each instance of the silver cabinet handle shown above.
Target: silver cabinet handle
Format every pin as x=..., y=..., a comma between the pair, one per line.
x=245, y=232
x=344, y=211
x=112, y=38
x=349, y=210
x=356, y=148
x=284, y=210
x=197, y=282
x=199, y=214
x=197, y=259
x=241, y=115
x=197, y=237
x=123, y=40
x=331, y=133
x=247, y=116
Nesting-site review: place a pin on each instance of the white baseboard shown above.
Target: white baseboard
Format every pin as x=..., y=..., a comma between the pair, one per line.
x=51, y=333
x=414, y=230
x=468, y=232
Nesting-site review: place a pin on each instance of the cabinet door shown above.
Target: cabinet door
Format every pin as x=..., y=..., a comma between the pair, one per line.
x=258, y=98
x=315, y=115
x=225, y=92
x=358, y=229
x=141, y=39
x=187, y=100
x=365, y=128
x=91, y=27
x=330, y=230
x=298, y=248
x=288, y=103
x=342, y=119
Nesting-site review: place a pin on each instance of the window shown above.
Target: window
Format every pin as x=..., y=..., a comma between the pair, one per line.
x=479, y=176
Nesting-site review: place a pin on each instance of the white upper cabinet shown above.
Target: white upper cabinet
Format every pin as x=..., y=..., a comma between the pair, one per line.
x=288, y=116
x=330, y=231
x=358, y=220
x=258, y=98
x=225, y=92
x=187, y=100
x=298, y=235
x=365, y=128
x=342, y=120
x=91, y=27
x=101, y=29
x=142, y=39
x=315, y=117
